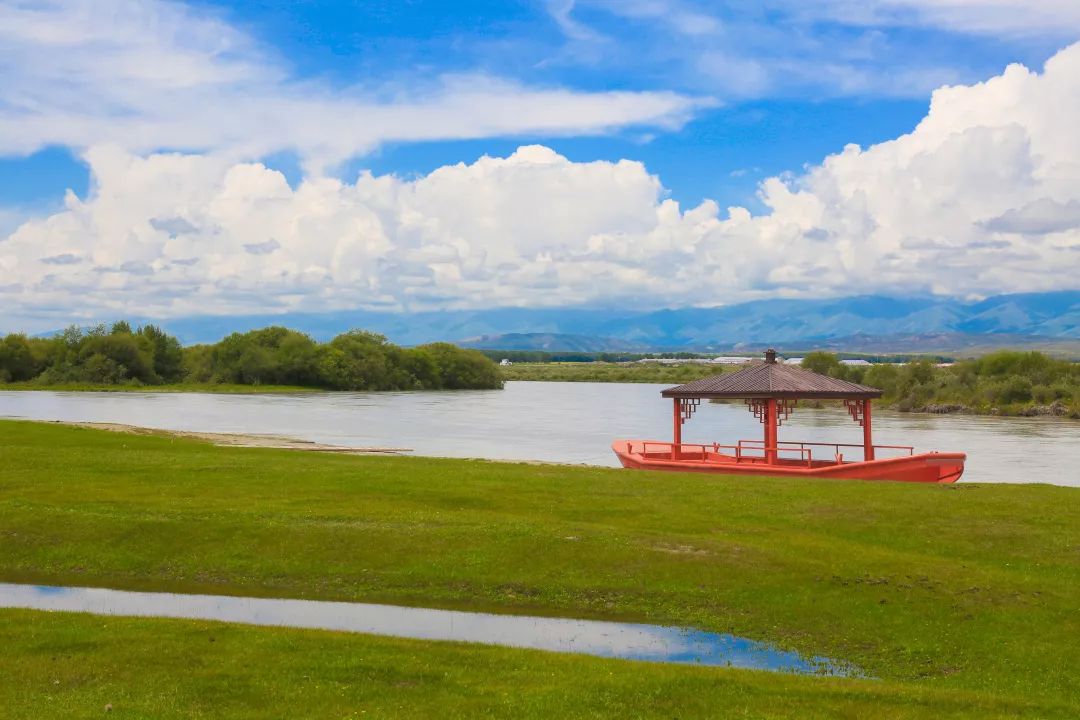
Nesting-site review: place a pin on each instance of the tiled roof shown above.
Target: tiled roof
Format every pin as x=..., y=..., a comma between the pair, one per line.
x=772, y=379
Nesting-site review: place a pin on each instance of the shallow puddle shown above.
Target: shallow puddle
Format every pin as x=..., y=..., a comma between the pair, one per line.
x=628, y=641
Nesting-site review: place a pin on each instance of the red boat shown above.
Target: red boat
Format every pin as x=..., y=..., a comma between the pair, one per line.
x=771, y=391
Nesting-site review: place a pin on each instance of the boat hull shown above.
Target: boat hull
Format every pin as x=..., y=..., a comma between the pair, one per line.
x=933, y=467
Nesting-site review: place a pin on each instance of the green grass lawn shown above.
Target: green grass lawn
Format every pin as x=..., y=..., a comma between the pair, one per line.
x=961, y=599
x=73, y=666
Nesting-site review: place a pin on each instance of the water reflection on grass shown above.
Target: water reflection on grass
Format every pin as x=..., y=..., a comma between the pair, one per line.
x=629, y=641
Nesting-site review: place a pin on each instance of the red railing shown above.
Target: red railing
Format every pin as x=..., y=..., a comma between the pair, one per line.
x=760, y=444
x=749, y=450
x=695, y=451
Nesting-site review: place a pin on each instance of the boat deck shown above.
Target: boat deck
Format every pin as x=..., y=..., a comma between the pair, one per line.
x=752, y=457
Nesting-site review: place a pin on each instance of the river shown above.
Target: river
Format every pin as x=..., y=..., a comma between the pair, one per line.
x=559, y=422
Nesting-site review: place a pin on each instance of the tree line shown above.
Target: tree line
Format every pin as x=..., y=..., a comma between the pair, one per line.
x=1004, y=382
x=147, y=355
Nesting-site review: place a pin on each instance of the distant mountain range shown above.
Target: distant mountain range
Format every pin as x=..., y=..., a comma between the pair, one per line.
x=963, y=344
x=552, y=342
x=862, y=322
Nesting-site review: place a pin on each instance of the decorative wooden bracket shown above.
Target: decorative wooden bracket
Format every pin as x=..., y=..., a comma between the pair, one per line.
x=758, y=406
x=687, y=407
x=855, y=410
x=784, y=409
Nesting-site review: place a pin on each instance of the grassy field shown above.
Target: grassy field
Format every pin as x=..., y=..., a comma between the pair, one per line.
x=612, y=372
x=960, y=599
x=74, y=666
x=226, y=388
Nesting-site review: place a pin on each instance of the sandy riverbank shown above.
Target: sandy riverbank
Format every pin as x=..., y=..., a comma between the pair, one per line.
x=279, y=442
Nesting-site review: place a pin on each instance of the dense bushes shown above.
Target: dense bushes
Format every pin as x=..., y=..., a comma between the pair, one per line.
x=99, y=355
x=18, y=360
x=1006, y=382
x=355, y=360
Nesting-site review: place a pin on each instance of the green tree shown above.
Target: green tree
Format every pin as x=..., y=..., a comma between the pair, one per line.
x=198, y=363
x=883, y=376
x=460, y=369
x=114, y=359
x=270, y=355
x=1015, y=389
x=918, y=372
x=297, y=358
x=167, y=352
x=423, y=369
x=17, y=362
x=821, y=362
x=357, y=360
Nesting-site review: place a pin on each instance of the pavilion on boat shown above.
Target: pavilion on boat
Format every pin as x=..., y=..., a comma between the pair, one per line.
x=771, y=391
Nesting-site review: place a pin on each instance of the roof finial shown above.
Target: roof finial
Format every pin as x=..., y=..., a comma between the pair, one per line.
x=770, y=356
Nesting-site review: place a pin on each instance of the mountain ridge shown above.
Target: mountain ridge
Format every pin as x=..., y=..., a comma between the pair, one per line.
x=1051, y=316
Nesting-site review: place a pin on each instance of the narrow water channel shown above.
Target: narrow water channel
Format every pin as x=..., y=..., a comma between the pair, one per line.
x=628, y=641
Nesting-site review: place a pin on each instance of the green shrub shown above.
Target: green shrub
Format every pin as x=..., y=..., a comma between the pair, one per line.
x=17, y=361
x=1015, y=389
x=459, y=368
x=883, y=376
x=1043, y=394
x=824, y=363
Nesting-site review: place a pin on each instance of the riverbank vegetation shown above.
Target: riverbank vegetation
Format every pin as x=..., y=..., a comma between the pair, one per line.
x=182, y=387
x=1000, y=383
x=612, y=372
x=959, y=600
x=122, y=356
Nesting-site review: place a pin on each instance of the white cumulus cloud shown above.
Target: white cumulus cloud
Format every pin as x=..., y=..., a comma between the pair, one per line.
x=980, y=198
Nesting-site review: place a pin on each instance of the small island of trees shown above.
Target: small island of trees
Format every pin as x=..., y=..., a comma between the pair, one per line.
x=121, y=355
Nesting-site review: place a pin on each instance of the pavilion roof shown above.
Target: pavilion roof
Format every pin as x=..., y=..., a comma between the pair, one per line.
x=772, y=380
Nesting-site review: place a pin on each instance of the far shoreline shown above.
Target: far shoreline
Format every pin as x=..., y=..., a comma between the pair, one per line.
x=212, y=388
x=1053, y=411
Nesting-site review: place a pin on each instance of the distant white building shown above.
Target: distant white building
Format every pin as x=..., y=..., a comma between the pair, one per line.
x=505, y=361
x=855, y=362
x=721, y=360
x=793, y=361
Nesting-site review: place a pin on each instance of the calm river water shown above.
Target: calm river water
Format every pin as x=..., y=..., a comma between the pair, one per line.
x=559, y=422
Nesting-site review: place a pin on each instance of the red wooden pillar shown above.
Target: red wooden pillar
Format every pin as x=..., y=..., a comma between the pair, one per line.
x=867, y=432
x=678, y=424
x=770, y=431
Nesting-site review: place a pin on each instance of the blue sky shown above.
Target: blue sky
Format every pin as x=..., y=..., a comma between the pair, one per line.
x=725, y=103
x=721, y=153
